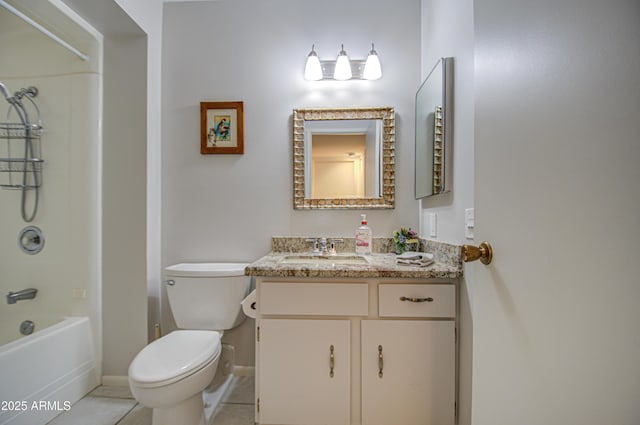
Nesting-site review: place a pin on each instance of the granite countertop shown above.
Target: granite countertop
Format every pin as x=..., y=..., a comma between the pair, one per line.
x=447, y=264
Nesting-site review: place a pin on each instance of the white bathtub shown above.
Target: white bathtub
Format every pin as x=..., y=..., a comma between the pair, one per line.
x=43, y=374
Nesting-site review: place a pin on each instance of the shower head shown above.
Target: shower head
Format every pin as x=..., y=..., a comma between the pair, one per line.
x=5, y=91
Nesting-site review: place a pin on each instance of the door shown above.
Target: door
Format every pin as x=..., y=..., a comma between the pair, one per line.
x=408, y=372
x=557, y=194
x=304, y=372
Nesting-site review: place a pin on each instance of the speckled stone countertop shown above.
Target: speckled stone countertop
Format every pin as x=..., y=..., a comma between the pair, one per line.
x=381, y=264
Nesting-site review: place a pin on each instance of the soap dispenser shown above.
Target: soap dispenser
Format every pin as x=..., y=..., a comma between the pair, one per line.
x=364, y=237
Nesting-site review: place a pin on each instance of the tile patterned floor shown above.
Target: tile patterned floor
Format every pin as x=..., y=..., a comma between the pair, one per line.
x=116, y=406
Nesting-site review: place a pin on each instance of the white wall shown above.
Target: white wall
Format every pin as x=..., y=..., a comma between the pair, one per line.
x=132, y=31
x=148, y=15
x=227, y=207
x=447, y=30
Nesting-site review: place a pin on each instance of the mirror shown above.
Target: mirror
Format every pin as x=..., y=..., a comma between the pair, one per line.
x=343, y=158
x=434, y=110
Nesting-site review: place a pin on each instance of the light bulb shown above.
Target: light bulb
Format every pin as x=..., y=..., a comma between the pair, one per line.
x=372, y=69
x=313, y=70
x=343, y=67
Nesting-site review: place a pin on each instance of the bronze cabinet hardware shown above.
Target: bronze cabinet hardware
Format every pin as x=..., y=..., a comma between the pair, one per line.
x=417, y=300
x=380, y=361
x=331, y=361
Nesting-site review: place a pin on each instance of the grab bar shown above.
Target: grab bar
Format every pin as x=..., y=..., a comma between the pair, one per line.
x=25, y=294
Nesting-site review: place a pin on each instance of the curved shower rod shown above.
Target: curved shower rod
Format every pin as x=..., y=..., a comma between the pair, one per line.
x=43, y=30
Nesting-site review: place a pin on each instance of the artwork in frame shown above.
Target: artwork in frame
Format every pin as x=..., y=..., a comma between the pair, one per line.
x=221, y=128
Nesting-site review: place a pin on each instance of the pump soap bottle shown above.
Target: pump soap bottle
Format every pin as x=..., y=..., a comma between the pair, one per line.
x=364, y=238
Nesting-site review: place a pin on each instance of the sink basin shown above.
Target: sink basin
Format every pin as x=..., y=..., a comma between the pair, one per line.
x=330, y=259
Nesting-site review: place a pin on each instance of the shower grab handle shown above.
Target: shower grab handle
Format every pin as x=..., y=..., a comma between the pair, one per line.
x=25, y=294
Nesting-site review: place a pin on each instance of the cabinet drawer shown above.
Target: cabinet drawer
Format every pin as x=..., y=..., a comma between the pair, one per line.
x=313, y=299
x=417, y=300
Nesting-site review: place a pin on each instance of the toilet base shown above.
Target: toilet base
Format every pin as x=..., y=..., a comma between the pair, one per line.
x=187, y=412
x=194, y=413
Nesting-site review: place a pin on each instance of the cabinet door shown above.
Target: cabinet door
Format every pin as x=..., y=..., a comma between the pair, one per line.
x=304, y=372
x=408, y=372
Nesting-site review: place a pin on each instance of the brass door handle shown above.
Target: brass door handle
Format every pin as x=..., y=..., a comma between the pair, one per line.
x=483, y=252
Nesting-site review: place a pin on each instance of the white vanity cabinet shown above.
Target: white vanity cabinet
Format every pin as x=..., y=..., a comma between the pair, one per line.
x=408, y=372
x=305, y=371
x=365, y=352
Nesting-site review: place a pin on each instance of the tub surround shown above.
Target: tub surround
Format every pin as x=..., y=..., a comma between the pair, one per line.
x=382, y=263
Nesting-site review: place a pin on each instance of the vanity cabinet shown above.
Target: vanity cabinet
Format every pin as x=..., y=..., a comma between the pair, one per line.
x=305, y=371
x=408, y=372
x=367, y=352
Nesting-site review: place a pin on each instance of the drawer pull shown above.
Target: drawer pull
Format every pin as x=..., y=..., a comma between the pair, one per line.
x=417, y=300
x=380, y=361
x=331, y=361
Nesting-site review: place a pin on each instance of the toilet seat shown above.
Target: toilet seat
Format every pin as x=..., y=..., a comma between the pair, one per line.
x=174, y=357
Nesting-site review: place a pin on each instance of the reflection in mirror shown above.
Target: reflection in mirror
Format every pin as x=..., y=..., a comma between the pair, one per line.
x=433, y=135
x=344, y=158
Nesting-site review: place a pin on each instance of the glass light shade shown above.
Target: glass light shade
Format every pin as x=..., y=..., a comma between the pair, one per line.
x=343, y=67
x=372, y=69
x=313, y=70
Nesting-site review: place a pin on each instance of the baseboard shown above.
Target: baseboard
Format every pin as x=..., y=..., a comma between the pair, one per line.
x=244, y=370
x=115, y=381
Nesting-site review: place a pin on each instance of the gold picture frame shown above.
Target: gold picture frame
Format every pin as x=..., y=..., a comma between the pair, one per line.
x=221, y=128
x=386, y=196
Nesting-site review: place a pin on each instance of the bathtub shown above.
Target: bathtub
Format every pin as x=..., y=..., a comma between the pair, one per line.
x=43, y=374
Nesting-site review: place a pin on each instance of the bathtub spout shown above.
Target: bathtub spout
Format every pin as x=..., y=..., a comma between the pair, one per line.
x=25, y=294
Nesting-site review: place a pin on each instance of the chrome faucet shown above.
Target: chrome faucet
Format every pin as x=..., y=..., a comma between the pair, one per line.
x=315, y=250
x=324, y=246
x=319, y=246
x=25, y=294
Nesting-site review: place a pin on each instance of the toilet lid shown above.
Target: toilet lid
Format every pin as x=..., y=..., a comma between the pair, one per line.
x=174, y=356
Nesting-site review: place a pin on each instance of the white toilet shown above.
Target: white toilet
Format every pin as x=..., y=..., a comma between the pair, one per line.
x=170, y=374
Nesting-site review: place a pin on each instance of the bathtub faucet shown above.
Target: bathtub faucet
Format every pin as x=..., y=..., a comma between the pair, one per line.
x=25, y=294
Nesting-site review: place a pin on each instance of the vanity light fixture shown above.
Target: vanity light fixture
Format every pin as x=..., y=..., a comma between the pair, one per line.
x=342, y=68
x=313, y=70
x=372, y=69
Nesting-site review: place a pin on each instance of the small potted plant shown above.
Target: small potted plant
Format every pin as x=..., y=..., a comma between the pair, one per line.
x=405, y=240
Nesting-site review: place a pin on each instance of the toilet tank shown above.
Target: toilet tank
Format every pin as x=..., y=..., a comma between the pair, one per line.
x=207, y=295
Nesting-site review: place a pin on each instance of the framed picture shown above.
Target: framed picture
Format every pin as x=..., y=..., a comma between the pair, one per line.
x=221, y=128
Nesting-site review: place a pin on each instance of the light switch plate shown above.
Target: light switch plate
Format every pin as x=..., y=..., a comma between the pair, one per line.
x=432, y=225
x=469, y=223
